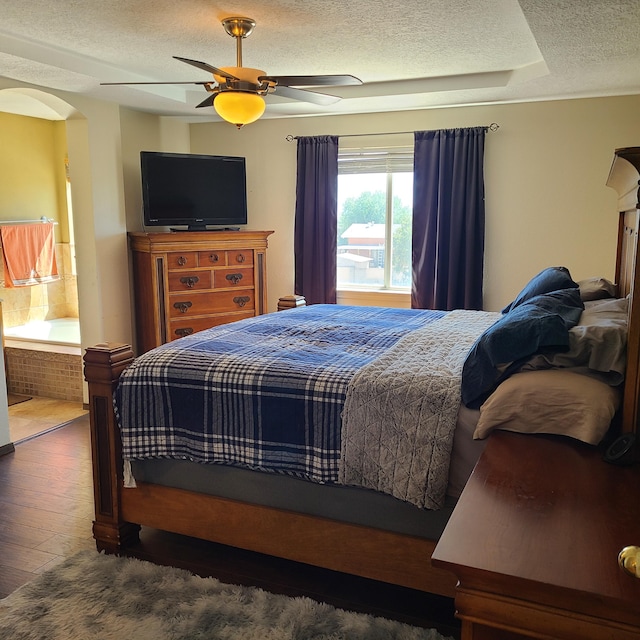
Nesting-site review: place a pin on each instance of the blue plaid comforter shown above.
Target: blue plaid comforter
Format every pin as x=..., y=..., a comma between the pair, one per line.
x=265, y=393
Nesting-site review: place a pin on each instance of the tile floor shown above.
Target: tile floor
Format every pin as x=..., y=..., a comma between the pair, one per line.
x=37, y=415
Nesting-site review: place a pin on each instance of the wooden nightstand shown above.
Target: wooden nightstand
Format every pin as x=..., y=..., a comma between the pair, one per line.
x=534, y=543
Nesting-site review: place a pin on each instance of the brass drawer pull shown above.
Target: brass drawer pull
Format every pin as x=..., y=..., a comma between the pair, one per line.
x=629, y=561
x=234, y=277
x=182, y=261
x=182, y=306
x=240, y=258
x=241, y=300
x=190, y=281
x=186, y=331
x=214, y=257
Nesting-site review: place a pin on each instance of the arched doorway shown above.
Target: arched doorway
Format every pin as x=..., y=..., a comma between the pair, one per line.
x=47, y=357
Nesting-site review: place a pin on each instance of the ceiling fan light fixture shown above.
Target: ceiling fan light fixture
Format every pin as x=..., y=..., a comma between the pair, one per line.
x=239, y=107
x=236, y=93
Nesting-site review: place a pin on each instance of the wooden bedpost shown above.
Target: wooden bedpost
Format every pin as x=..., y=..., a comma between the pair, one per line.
x=103, y=365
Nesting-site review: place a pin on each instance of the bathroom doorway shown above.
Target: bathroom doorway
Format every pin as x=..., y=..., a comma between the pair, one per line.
x=41, y=336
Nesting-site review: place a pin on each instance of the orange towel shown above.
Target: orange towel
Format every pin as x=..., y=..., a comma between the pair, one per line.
x=29, y=255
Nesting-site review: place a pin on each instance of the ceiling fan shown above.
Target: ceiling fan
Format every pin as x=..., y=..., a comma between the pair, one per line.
x=237, y=93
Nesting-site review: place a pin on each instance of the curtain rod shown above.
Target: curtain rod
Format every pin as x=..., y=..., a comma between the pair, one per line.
x=494, y=126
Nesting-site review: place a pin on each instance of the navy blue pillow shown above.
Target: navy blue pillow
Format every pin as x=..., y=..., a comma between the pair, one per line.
x=548, y=280
x=541, y=323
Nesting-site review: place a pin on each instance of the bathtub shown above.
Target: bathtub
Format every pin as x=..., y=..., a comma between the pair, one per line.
x=61, y=335
x=44, y=359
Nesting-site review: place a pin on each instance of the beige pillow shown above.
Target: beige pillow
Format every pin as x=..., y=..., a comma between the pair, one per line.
x=596, y=289
x=597, y=344
x=554, y=401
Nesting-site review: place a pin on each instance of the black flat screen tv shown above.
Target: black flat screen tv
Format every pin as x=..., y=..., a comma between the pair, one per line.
x=193, y=190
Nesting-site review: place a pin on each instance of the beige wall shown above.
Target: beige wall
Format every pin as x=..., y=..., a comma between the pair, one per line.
x=99, y=223
x=60, y=164
x=144, y=132
x=546, y=168
x=32, y=170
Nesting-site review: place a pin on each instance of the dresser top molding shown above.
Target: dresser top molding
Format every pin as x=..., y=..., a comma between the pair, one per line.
x=197, y=240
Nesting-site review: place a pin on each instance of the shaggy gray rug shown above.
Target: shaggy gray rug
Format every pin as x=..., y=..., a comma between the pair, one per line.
x=102, y=597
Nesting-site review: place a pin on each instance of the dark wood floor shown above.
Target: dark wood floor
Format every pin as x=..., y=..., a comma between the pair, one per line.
x=46, y=511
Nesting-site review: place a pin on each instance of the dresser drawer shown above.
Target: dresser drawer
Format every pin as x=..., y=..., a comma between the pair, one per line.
x=212, y=258
x=233, y=277
x=189, y=280
x=239, y=257
x=181, y=328
x=182, y=259
x=198, y=304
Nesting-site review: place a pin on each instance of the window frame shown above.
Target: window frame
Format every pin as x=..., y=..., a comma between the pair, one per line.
x=387, y=160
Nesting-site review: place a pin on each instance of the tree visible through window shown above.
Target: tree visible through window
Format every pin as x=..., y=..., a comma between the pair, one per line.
x=374, y=227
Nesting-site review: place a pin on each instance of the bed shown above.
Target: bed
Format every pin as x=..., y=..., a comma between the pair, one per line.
x=337, y=498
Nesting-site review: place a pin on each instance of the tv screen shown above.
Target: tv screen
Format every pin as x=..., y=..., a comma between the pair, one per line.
x=193, y=190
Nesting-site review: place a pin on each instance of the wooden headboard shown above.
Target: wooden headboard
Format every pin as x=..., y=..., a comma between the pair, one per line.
x=624, y=177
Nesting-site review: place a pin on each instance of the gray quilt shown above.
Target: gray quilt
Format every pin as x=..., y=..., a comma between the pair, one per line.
x=401, y=410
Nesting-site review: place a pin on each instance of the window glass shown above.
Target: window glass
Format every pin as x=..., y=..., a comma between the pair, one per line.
x=401, y=243
x=374, y=229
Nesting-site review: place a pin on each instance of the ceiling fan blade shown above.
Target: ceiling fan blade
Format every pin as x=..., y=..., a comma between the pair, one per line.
x=208, y=101
x=207, y=67
x=313, y=81
x=113, y=84
x=304, y=95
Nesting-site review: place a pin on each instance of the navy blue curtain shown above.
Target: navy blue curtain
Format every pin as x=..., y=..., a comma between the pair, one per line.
x=316, y=221
x=448, y=219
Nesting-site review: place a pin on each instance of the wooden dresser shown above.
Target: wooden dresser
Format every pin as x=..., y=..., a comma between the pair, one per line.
x=534, y=543
x=188, y=281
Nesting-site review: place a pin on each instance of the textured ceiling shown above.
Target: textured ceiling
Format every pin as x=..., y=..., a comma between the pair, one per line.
x=410, y=54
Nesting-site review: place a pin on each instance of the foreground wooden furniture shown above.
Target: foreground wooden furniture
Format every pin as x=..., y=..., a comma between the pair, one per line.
x=534, y=542
x=190, y=281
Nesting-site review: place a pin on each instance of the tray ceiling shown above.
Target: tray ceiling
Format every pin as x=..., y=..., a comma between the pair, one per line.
x=410, y=55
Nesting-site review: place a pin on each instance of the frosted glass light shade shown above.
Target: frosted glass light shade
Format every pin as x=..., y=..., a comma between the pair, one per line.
x=239, y=107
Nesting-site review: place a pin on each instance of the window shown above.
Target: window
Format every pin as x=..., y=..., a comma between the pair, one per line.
x=375, y=199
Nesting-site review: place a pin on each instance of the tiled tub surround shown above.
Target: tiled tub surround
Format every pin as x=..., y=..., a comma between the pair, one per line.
x=44, y=374
x=57, y=299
